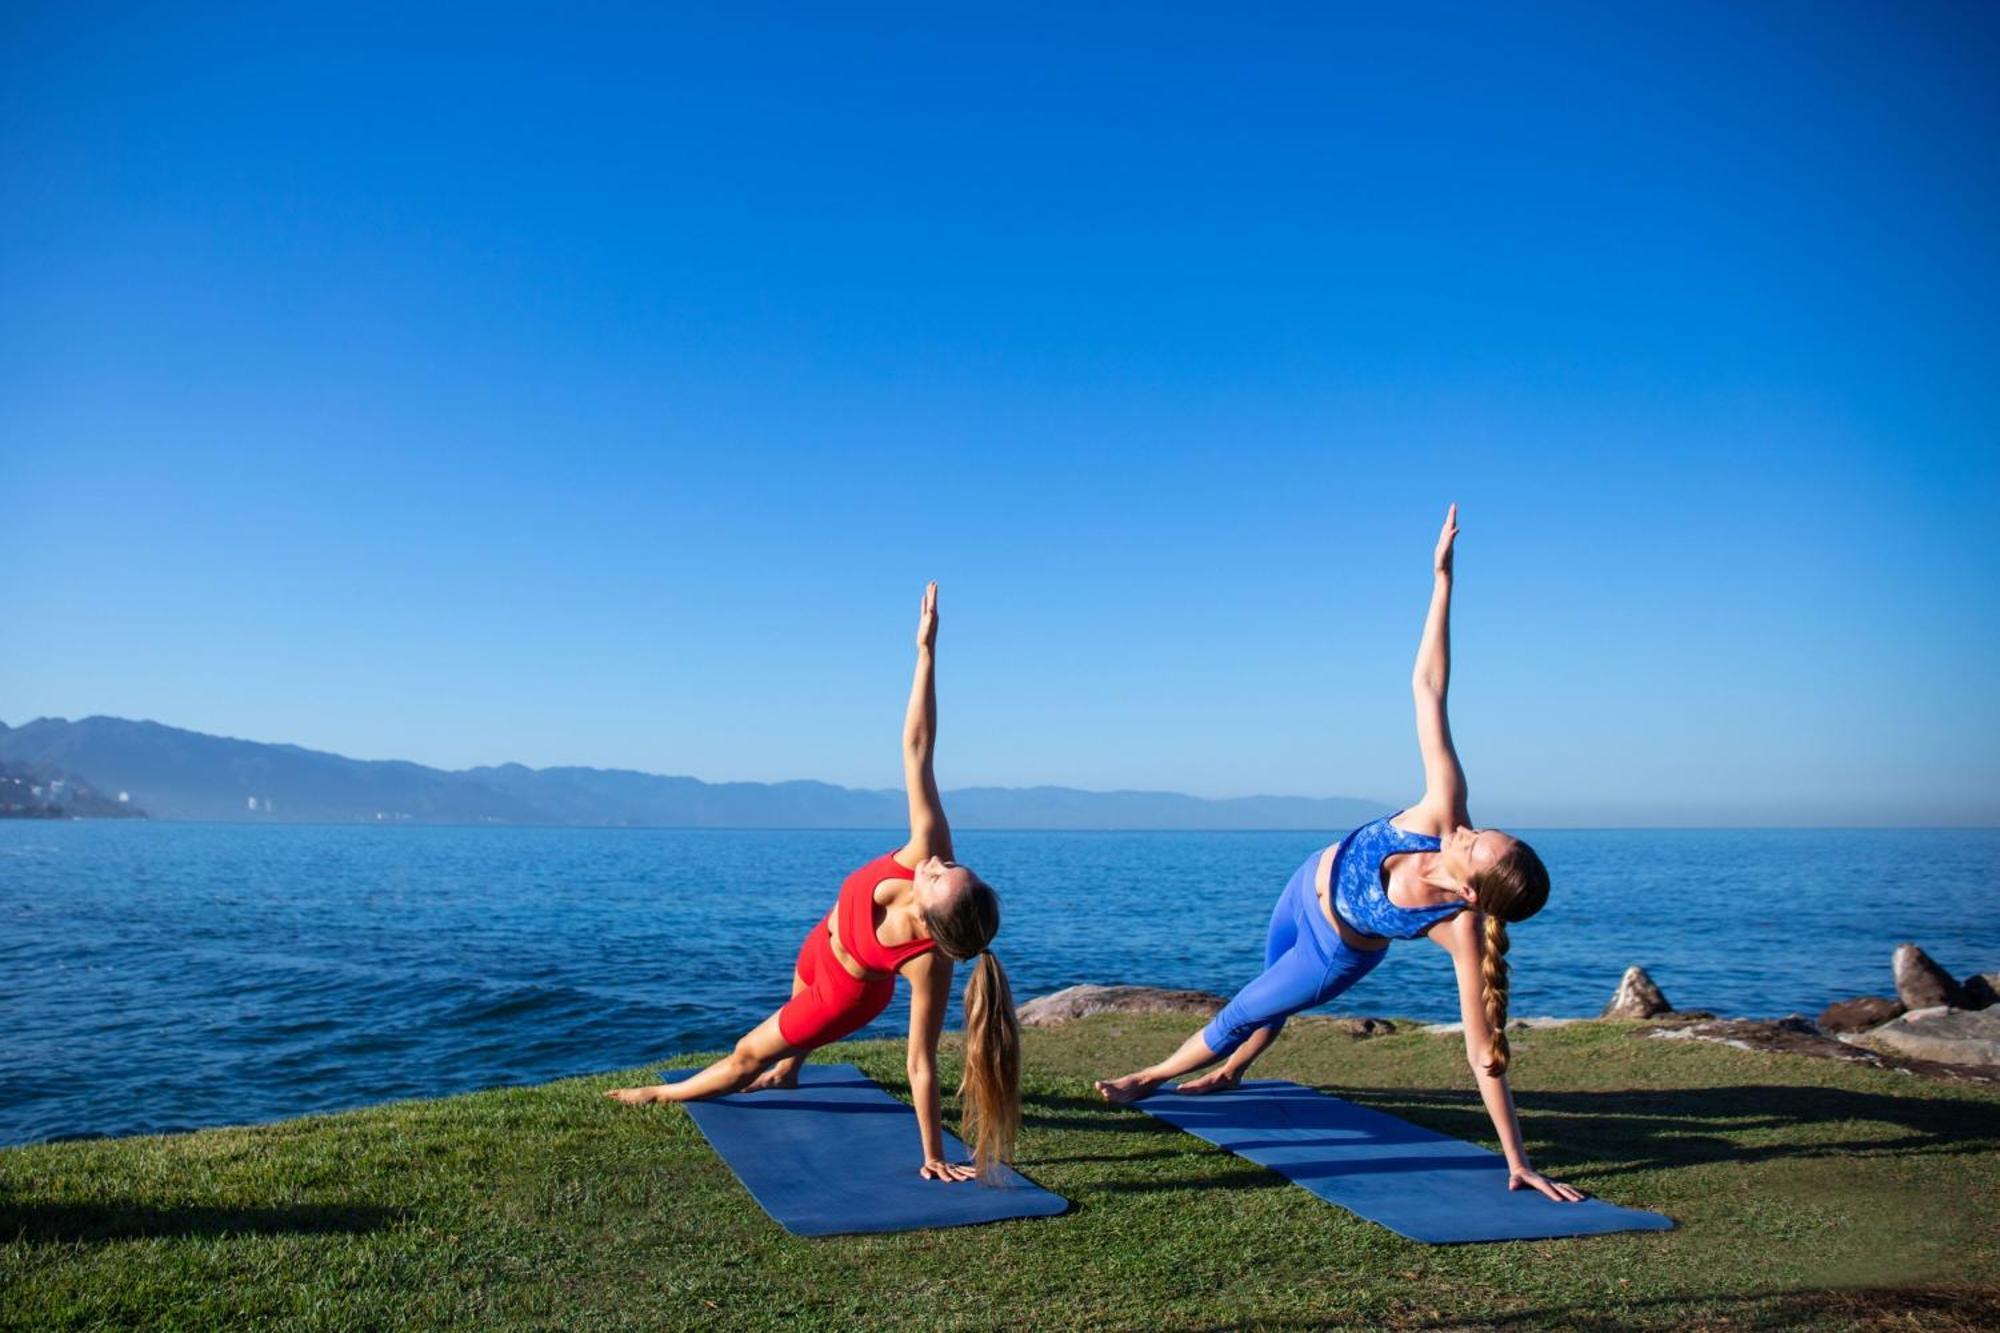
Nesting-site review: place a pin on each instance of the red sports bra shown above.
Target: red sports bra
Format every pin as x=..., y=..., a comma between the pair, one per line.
x=856, y=907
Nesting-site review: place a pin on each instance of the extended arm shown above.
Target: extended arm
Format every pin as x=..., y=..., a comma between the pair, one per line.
x=930, y=835
x=929, y=975
x=1460, y=938
x=1444, y=778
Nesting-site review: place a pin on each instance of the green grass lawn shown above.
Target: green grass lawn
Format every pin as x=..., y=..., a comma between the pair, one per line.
x=1808, y=1193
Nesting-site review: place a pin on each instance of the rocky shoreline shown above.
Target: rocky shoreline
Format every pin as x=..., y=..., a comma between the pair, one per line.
x=1935, y=1027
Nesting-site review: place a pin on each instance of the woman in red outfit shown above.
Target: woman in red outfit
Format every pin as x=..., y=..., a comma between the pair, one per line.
x=912, y=911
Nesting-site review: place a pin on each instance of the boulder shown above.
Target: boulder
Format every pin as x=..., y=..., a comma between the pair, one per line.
x=1981, y=989
x=1513, y=1025
x=1637, y=997
x=1075, y=1002
x=1858, y=1015
x=1362, y=1027
x=1921, y=983
x=1951, y=1036
x=1794, y=1036
x=1353, y=1027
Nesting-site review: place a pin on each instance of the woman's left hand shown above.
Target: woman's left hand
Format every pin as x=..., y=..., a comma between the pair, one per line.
x=1523, y=1178
x=948, y=1172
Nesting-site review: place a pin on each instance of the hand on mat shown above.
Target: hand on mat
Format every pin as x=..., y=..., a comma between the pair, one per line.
x=927, y=617
x=948, y=1171
x=1445, y=538
x=1561, y=1193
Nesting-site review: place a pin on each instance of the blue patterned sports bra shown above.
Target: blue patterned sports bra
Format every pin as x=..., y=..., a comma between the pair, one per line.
x=1358, y=893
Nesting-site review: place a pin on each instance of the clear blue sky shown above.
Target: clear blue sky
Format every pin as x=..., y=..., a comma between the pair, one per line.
x=600, y=389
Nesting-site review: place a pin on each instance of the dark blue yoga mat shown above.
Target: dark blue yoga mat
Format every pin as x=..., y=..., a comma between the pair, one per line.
x=837, y=1155
x=1417, y=1183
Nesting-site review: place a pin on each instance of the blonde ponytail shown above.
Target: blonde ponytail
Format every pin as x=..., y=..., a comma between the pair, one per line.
x=990, y=1092
x=1493, y=991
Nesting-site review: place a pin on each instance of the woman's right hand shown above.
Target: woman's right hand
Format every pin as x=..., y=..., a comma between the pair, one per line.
x=949, y=1172
x=1523, y=1178
x=1443, y=559
x=927, y=617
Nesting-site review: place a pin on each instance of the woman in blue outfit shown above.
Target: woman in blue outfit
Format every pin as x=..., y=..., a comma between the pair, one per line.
x=1421, y=871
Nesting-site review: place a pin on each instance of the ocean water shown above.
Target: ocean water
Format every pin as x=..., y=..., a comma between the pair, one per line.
x=158, y=976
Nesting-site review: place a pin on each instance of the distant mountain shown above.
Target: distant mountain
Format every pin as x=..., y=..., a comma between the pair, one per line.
x=622, y=796
x=178, y=774
x=36, y=791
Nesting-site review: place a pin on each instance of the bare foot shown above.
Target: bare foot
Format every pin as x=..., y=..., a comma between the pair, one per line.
x=778, y=1076
x=640, y=1096
x=1220, y=1081
x=1128, y=1089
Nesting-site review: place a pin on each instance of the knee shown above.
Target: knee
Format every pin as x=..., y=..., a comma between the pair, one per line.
x=743, y=1059
x=1222, y=1038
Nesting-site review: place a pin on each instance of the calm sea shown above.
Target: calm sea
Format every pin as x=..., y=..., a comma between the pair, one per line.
x=159, y=976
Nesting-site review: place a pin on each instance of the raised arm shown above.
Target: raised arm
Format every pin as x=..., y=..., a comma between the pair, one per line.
x=1460, y=936
x=1444, y=778
x=930, y=835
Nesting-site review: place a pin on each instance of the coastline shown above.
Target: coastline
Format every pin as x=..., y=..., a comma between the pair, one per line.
x=548, y=1206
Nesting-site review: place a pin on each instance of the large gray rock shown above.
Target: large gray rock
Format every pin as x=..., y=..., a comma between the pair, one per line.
x=1075, y=1002
x=1636, y=997
x=1921, y=983
x=1952, y=1036
x=1353, y=1027
x=1794, y=1036
x=1869, y=1011
x=1981, y=989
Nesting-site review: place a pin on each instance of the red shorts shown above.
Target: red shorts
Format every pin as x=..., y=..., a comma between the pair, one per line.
x=833, y=1004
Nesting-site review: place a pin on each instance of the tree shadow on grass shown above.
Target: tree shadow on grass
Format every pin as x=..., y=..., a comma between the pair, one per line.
x=1648, y=1129
x=1943, y=1308
x=54, y=1223
x=1930, y=1306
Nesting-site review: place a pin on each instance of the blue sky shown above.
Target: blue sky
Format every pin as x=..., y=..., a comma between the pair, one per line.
x=602, y=389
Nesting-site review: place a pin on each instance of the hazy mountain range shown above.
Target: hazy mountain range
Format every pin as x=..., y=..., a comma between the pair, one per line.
x=176, y=774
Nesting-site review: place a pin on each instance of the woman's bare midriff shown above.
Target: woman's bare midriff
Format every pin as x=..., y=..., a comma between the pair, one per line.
x=840, y=953
x=1323, y=887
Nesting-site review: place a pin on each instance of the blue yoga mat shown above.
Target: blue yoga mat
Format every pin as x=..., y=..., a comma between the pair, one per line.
x=1417, y=1183
x=837, y=1155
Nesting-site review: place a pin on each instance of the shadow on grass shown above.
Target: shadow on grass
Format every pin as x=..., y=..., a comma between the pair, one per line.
x=52, y=1223
x=1929, y=1307
x=1645, y=1130
x=1968, y=1308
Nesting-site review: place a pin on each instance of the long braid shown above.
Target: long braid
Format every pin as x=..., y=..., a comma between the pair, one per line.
x=1493, y=990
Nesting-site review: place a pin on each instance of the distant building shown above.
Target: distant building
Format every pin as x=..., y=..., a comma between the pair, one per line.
x=253, y=802
x=124, y=797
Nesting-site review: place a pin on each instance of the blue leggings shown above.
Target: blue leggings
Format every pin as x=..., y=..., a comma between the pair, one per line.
x=1305, y=963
